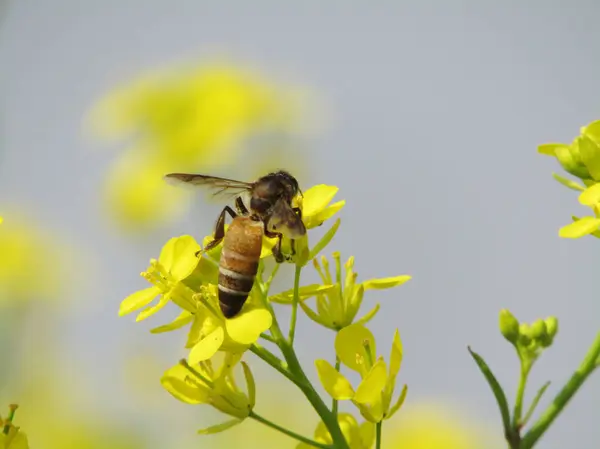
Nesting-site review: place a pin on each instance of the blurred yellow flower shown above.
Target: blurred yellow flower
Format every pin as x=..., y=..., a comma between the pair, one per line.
x=32, y=262
x=356, y=349
x=203, y=384
x=435, y=426
x=184, y=119
x=358, y=436
x=586, y=225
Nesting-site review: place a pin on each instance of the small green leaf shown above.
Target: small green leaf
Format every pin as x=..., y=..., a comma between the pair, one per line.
x=568, y=183
x=496, y=389
x=534, y=404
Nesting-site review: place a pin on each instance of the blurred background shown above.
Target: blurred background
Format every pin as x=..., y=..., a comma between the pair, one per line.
x=426, y=115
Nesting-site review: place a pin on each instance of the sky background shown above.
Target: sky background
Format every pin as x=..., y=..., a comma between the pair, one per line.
x=433, y=114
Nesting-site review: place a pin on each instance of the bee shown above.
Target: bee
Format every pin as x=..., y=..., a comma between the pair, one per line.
x=270, y=213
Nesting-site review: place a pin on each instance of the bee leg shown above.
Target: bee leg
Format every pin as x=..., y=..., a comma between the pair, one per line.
x=219, y=229
x=241, y=207
x=277, y=253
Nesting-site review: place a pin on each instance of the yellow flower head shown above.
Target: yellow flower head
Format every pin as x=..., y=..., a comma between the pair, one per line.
x=32, y=261
x=203, y=384
x=355, y=347
x=176, y=262
x=358, y=436
x=338, y=306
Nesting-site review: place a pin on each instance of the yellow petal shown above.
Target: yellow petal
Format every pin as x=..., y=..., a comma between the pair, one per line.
x=308, y=291
x=395, y=355
x=319, y=218
x=369, y=390
x=568, y=183
x=246, y=327
x=149, y=311
x=590, y=196
x=179, y=256
x=350, y=343
x=173, y=381
x=367, y=434
x=383, y=283
x=334, y=383
x=1, y=220
x=184, y=318
x=207, y=347
x=137, y=300
x=584, y=226
x=317, y=198
x=398, y=403
x=549, y=148
x=220, y=427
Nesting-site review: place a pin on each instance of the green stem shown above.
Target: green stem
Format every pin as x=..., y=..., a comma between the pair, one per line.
x=9, y=420
x=518, y=411
x=334, y=406
x=295, y=301
x=562, y=398
x=378, y=435
x=287, y=432
x=272, y=360
x=267, y=337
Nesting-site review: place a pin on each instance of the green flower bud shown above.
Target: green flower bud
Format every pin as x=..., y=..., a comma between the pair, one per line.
x=551, y=326
x=538, y=329
x=525, y=334
x=509, y=326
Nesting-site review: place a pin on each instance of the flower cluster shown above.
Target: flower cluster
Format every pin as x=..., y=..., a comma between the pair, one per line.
x=186, y=119
x=580, y=158
x=186, y=276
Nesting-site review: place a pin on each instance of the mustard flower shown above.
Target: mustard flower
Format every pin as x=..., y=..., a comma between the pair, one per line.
x=25, y=249
x=586, y=225
x=203, y=384
x=338, y=306
x=356, y=349
x=11, y=436
x=358, y=436
x=177, y=261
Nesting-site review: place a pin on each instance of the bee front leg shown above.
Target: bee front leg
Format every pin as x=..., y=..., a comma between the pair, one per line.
x=241, y=207
x=277, y=253
x=219, y=229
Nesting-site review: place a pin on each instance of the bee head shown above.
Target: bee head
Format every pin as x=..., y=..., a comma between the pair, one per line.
x=289, y=183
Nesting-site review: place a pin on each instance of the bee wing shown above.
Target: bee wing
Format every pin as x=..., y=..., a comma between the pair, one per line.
x=219, y=186
x=283, y=219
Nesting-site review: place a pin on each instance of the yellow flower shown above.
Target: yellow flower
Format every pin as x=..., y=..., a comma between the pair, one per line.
x=32, y=261
x=437, y=426
x=10, y=436
x=183, y=119
x=587, y=225
x=176, y=262
x=338, y=306
x=355, y=347
x=358, y=436
x=202, y=384
x=211, y=331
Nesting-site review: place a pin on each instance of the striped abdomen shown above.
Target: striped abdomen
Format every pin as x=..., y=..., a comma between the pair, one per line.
x=239, y=263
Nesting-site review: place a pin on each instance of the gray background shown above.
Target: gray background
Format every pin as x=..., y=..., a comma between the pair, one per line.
x=436, y=109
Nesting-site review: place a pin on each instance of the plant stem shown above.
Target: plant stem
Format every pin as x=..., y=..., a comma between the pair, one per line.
x=562, y=398
x=378, y=435
x=518, y=411
x=334, y=406
x=272, y=360
x=287, y=432
x=295, y=300
x=267, y=337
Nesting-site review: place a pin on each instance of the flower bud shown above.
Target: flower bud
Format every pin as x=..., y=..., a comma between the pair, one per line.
x=538, y=330
x=551, y=326
x=525, y=334
x=509, y=326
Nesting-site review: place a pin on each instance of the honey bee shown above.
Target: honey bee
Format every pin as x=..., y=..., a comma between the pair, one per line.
x=270, y=213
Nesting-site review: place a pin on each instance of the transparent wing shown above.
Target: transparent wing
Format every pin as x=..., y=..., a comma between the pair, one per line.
x=218, y=186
